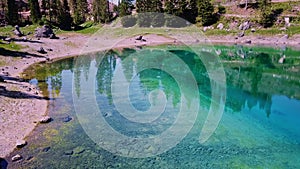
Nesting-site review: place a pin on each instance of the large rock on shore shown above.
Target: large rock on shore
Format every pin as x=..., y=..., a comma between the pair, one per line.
x=45, y=119
x=20, y=143
x=45, y=32
x=220, y=26
x=17, y=31
x=245, y=26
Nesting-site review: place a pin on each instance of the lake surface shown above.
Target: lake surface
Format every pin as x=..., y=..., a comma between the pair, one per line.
x=259, y=127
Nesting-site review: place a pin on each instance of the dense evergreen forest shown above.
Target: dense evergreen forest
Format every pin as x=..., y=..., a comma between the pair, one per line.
x=68, y=14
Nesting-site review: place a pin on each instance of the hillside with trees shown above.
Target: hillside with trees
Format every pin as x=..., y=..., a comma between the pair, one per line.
x=70, y=14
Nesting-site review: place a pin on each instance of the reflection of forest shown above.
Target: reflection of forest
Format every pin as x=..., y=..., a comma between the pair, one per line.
x=255, y=84
x=49, y=76
x=149, y=79
x=250, y=82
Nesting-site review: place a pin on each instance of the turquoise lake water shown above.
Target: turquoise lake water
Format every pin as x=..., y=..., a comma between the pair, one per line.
x=259, y=127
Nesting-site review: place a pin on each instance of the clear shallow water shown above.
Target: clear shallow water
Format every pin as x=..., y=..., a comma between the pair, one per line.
x=259, y=127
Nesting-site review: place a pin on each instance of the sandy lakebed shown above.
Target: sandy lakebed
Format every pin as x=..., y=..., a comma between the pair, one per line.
x=22, y=104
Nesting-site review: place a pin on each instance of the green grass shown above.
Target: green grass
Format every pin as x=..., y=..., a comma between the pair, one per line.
x=218, y=32
x=293, y=30
x=8, y=30
x=88, y=28
x=11, y=46
x=269, y=31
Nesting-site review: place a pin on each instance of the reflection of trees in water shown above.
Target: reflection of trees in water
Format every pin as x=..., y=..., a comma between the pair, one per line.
x=105, y=73
x=151, y=79
x=249, y=78
x=49, y=75
x=81, y=69
x=55, y=83
x=198, y=69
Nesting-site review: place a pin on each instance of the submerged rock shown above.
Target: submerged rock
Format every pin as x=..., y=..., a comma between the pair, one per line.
x=67, y=119
x=16, y=157
x=46, y=149
x=282, y=59
x=69, y=152
x=78, y=150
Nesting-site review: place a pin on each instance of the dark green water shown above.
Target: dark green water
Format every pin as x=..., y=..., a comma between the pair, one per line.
x=259, y=127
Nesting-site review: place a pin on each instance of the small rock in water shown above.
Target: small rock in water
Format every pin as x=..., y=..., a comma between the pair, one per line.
x=69, y=152
x=46, y=149
x=20, y=143
x=16, y=157
x=282, y=59
x=78, y=150
x=67, y=119
x=107, y=114
x=29, y=158
x=45, y=119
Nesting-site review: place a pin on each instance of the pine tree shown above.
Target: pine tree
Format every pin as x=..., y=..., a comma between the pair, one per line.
x=53, y=10
x=205, y=12
x=266, y=16
x=12, y=12
x=124, y=8
x=79, y=10
x=101, y=11
x=190, y=12
x=35, y=12
x=45, y=6
x=177, y=9
x=149, y=6
x=146, y=19
x=64, y=18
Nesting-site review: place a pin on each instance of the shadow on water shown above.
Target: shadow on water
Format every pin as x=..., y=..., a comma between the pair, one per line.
x=3, y=163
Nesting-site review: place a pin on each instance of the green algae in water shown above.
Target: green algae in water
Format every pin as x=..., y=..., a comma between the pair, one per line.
x=259, y=128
